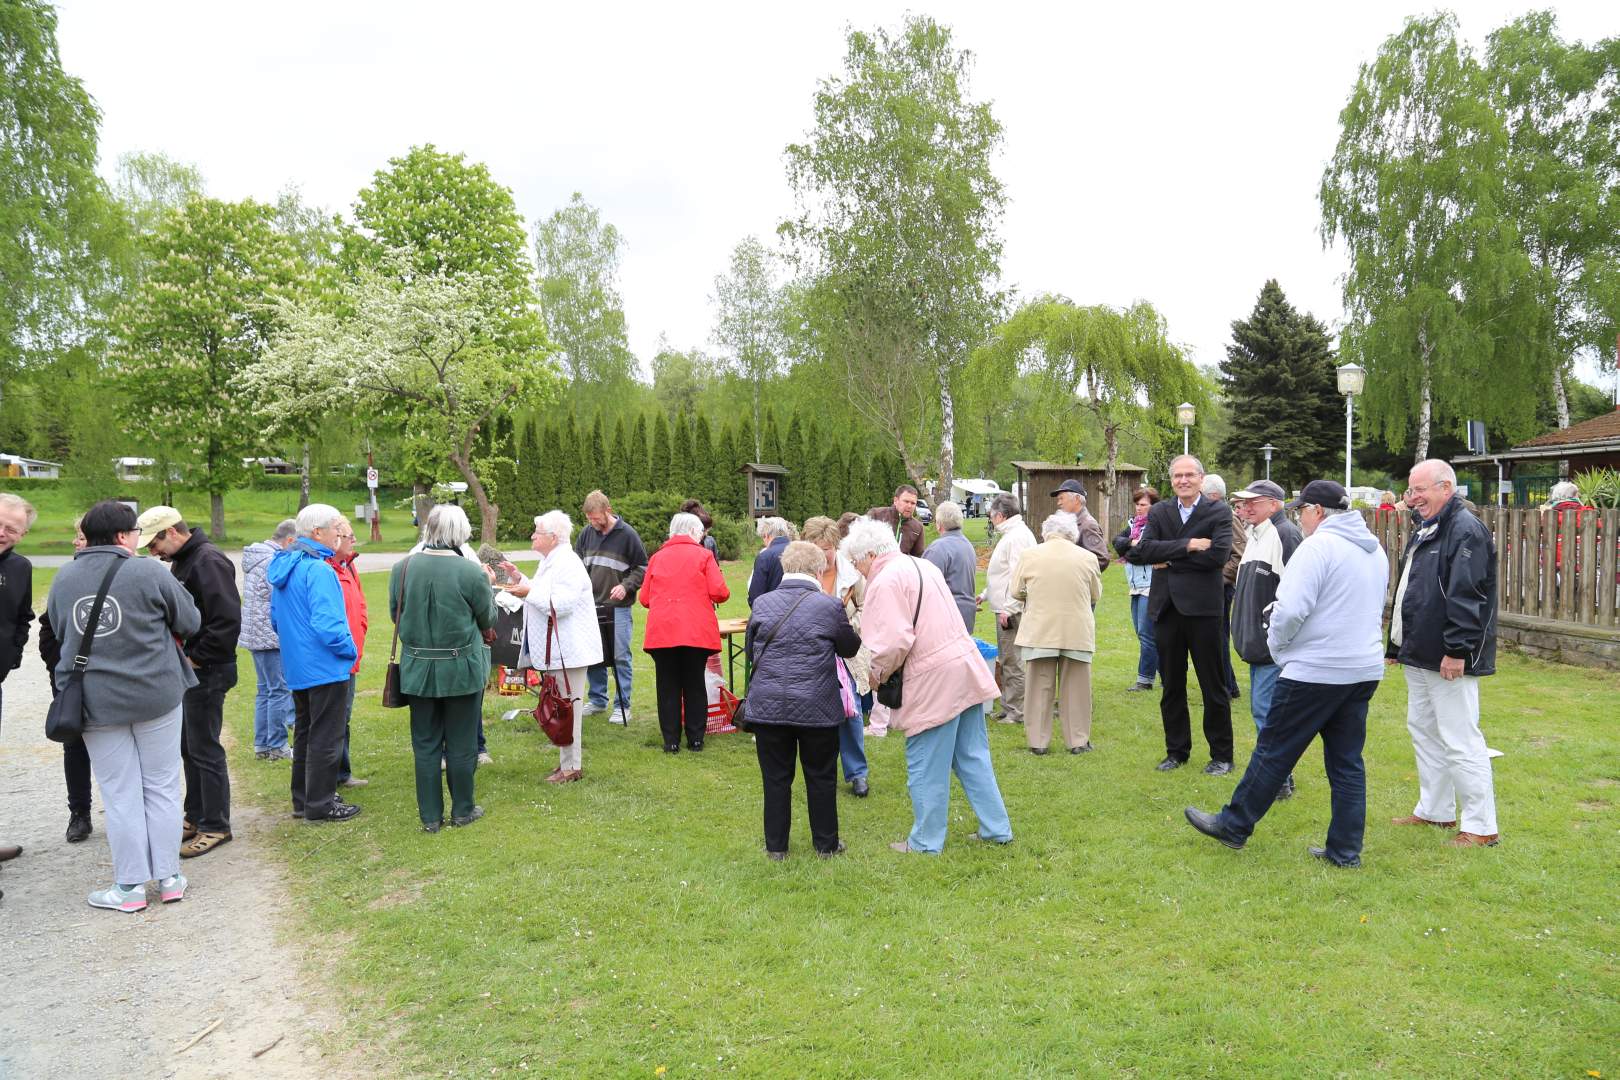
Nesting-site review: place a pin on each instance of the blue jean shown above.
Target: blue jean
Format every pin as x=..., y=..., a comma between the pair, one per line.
x=959, y=744
x=597, y=675
x=852, y=746
x=1299, y=712
x=1262, y=685
x=273, y=703
x=1147, y=652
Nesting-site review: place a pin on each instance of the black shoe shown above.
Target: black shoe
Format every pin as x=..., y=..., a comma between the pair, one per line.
x=1209, y=826
x=695, y=747
x=776, y=856
x=672, y=748
x=1038, y=751
x=1084, y=748
x=467, y=819
x=1287, y=789
x=432, y=826
x=858, y=787
x=341, y=811
x=1218, y=768
x=1169, y=764
x=1321, y=853
x=1139, y=687
x=78, y=828
x=839, y=850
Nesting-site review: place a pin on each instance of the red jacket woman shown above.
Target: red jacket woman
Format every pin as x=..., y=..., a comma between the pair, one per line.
x=682, y=586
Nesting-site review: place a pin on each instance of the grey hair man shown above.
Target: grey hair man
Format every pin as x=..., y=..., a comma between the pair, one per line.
x=767, y=573
x=1071, y=499
x=1443, y=634
x=1214, y=489
x=1013, y=538
x=16, y=597
x=953, y=553
x=317, y=657
x=273, y=717
x=1272, y=539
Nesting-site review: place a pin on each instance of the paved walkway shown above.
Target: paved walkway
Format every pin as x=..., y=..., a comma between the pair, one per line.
x=91, y=993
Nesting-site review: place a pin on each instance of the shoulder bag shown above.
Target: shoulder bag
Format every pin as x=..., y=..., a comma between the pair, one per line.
x=555, y=713
x=391, y=696
x=64, y=721
x=892, y=689
x=738, y=717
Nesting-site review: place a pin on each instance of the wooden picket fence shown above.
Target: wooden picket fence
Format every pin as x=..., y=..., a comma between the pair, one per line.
x=1563, y=567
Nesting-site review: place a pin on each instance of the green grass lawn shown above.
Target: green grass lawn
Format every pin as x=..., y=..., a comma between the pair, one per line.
x=630, y=924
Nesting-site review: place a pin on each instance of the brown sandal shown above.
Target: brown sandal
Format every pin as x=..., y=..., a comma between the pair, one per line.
x=187, y=831
x=203, y=844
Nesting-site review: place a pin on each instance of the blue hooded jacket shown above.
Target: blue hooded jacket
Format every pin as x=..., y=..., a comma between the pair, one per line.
x=306, y=609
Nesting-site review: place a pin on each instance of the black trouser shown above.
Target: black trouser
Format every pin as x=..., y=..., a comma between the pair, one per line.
x=208, y=783
x=681, y=688
x=1226, y=644
x=317, y=745
x=1177, y=635
x=818, y=757
x=76, y=770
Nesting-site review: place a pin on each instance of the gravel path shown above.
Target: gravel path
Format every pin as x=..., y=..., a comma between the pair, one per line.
x=102, y=993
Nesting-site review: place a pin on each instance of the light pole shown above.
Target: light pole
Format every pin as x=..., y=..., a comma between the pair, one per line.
x=1352, y=381
x=1185, y=415
x=1268, y=450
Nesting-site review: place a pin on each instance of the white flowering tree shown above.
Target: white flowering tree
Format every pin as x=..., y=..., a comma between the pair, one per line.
x=424, y=351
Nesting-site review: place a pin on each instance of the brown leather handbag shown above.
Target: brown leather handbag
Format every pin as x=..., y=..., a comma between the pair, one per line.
x=555, y=713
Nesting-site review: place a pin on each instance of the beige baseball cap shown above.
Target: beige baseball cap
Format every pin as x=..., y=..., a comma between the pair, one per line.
x=154, y=521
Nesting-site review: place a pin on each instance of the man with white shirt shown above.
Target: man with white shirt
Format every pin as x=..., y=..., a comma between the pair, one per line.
x=1015, y=539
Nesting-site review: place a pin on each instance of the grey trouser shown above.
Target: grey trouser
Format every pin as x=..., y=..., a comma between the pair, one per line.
x=138, y=768
x=1012, y=671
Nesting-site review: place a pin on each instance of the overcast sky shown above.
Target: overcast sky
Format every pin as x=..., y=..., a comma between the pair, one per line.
x=1167, y=152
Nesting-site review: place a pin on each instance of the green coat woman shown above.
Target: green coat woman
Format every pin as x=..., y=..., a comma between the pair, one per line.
x=442, y=606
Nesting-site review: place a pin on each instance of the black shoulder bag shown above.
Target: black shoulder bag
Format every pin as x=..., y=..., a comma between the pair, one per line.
x=737, y=718
x=890, y=692
x=392, y=697
x=64, y=721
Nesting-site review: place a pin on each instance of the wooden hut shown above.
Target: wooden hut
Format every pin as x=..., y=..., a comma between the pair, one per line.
x=1038, y=479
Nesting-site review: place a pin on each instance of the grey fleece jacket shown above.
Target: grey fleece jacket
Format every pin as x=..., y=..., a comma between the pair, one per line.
x=136, y=670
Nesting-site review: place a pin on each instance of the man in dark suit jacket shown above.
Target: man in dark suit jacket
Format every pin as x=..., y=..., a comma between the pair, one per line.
x=1187, y=541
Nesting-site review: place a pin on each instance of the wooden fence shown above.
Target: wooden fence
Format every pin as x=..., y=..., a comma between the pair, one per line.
x=1559, y=566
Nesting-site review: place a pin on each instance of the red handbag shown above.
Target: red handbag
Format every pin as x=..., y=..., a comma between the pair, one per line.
x=555, y=713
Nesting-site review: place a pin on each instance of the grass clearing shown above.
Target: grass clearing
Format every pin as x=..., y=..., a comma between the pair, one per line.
x=631, y=921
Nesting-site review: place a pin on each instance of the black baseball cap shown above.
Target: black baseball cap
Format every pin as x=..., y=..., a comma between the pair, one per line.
x=1071, y=485
x=1323, y=493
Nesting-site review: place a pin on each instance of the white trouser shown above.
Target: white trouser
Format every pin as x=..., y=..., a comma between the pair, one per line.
x=138, y=768
x=573, y=754
x=1454, y=770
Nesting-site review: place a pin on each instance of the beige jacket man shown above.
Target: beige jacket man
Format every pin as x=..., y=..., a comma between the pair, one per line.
x=1058, y=582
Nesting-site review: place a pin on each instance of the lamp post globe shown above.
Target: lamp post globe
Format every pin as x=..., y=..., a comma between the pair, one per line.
x=1352, y=381
x=1268, y=450
x=1186, y=416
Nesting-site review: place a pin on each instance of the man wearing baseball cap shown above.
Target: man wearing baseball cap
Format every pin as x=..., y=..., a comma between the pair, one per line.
x=1327, y=634
x=1272, y=539
x=209, y=576
x=1071, y=499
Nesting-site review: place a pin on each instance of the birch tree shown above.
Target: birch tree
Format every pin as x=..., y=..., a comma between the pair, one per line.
x=896, y=231
x=748, y=320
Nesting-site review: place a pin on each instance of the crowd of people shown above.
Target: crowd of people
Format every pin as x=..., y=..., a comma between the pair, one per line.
x=858, y=628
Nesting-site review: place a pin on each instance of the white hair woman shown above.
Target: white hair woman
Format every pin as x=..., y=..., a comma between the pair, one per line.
x=776, y=534
x=1058, y=583
x=682, y=586
x=957, y=561
x=560, y=634
x=911, y=623
x=444, y=610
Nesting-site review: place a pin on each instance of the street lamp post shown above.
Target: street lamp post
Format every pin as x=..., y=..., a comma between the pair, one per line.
x=1352, y=381
x=1268, y=450
x=1185, y=415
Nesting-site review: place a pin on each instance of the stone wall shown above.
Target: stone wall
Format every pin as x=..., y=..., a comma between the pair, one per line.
x=1560, y=642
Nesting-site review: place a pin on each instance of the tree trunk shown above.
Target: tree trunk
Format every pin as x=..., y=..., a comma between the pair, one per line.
x=303, y=481
x=1425, y=398
x=420, y=501
x=1560, y=397
x=488, y=512
x=947, y=432
x=216, y=517
x=758, y=450
x=1111, y=442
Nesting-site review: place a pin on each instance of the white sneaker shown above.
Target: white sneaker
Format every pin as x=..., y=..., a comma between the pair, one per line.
x=115, y=899
x=172, y=888
x=591, y=709
x=620, y=717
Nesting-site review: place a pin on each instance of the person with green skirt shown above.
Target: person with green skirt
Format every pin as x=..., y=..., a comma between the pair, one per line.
x=444, y=610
